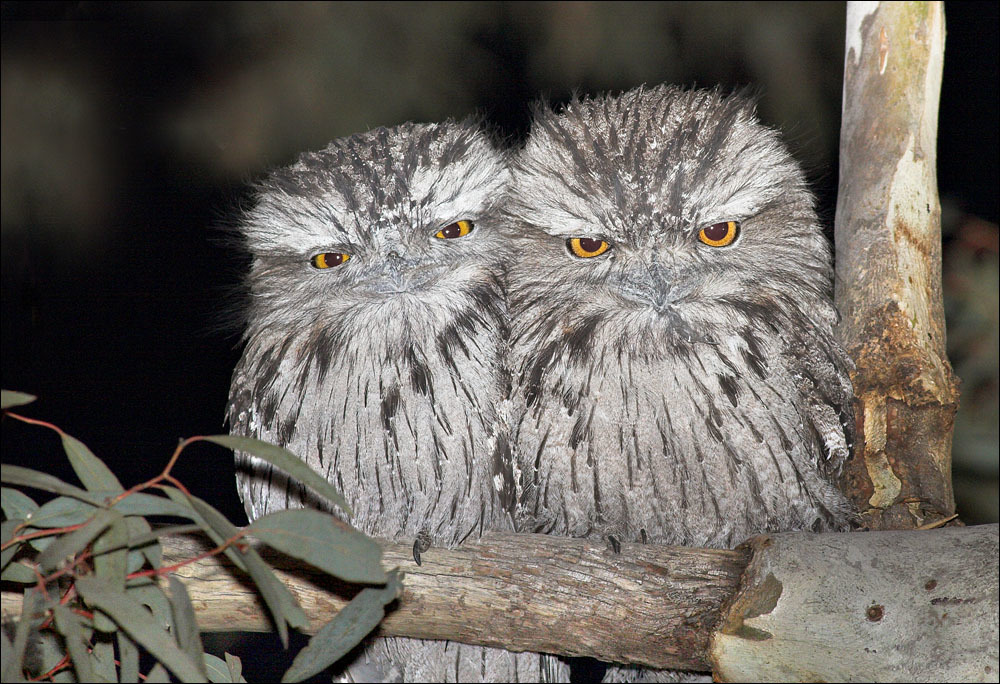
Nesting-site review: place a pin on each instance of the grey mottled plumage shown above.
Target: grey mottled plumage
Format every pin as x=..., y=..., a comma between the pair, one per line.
x=666, y=389
x=382, y=370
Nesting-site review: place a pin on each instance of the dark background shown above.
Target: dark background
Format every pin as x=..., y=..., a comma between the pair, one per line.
x=130, y=131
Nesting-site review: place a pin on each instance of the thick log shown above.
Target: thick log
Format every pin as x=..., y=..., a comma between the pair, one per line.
x=908, y=606
x=888, y=247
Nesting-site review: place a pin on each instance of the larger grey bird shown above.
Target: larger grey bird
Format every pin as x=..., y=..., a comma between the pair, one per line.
x=676, y=379
x=373, y=345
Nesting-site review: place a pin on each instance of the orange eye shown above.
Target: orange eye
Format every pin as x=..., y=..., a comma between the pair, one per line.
x=587, y=247
x=455, y=230
x=720, y=234
x=328, y=259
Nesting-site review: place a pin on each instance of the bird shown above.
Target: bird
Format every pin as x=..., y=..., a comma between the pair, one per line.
x=373, y=350
x=675, y=377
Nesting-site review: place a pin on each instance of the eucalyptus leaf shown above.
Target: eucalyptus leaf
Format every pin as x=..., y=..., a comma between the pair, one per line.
x=26, y=477
x=91, y=470
x=185, y=625
x=65, y=510
x=235, y=668
x=68, y=624
x=7, y=528
x=136, y=560
x=139, y=553
x=138, y=503
x=33, y=609
x=16, y=504
x=128, y=657
x=154, y=534
x=51, y=649
x=280, y=602
x=10, y=660
x=345, y=631
x=41, y=543
x=158, y=675
x=324, y=542
x=18, y=573
x=141, y=503
x=140, y=625
x=110, y=564
x=235, y=556
x=146, y=591
x=219, y=669
x=62, y=511
x=215, y=668
x=76, y=541
x=104, y=660
x=10, y=399
x=287, y=462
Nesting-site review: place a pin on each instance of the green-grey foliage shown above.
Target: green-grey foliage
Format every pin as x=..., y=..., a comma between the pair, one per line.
x=351, y=624
x=286, y=461
x=89, y=560
x=9, y=399
x=321, y=541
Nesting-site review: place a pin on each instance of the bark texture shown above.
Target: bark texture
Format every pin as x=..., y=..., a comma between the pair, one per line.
x=913, y=606
x=888, y=248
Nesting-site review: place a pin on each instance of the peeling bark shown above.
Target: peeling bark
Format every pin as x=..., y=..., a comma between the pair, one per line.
x=888, y=241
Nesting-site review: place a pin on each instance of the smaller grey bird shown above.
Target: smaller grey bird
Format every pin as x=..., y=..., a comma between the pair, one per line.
x=373, y=349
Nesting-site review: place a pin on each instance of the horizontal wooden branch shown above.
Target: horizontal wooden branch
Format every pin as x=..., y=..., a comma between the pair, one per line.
x=647, y=604
x=791, y=606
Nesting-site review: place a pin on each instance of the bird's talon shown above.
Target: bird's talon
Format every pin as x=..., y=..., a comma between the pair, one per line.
x=421, y=544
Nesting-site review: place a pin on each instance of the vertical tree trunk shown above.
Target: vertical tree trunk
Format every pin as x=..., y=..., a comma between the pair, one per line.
x=888, y=247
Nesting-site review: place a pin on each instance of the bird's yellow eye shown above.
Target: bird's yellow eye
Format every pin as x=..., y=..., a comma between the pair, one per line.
x=720, y=234
x=587, y=247
x=328, y=259
x=455, y=230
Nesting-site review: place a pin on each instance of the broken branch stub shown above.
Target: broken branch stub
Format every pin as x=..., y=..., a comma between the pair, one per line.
x=882, y=606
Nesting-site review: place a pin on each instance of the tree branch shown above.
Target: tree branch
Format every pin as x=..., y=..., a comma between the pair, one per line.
x=649, y=604
x=888, y=242
x=807, y=607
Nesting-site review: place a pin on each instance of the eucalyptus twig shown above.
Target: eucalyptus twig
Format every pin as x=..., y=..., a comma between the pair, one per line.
x=107, y=560
x=166, y=570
